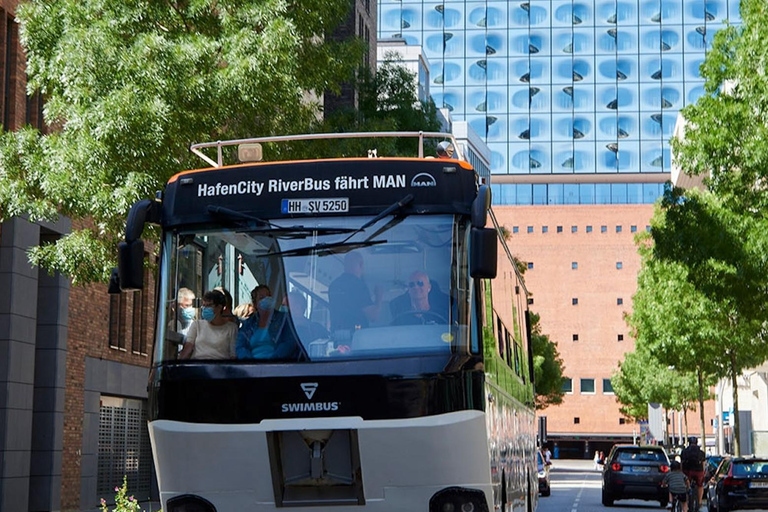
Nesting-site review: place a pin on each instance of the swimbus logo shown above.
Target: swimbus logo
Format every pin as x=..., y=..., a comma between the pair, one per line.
x=309, y=389
x=423, y=180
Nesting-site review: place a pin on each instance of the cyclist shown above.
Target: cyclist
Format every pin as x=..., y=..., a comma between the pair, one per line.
x=693, y=466
x=677, y=484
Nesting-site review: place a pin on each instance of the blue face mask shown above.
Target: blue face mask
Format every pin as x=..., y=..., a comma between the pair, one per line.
x=187, y=313
x=208, y=314
x=267, y=304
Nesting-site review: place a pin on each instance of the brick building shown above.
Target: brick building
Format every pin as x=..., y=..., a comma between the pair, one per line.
x=582, y=273
x=73, y=360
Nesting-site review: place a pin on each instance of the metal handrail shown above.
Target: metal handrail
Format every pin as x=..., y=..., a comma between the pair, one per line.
x=195, y=148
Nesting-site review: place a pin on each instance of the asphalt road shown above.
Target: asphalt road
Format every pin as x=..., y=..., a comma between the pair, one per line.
x=576, y=487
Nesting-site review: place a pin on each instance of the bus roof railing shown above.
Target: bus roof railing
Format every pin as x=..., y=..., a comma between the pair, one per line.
x=219, y=162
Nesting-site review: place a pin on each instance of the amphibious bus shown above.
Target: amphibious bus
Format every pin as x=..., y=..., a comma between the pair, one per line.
x=407, y=383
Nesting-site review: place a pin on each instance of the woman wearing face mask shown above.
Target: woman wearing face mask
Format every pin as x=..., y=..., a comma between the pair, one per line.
x=212, y=336
x=263, y=335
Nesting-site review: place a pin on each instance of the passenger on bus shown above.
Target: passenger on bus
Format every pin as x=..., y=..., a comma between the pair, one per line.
x=243, y=311
x=306, y=329
x=264, y=334
x=228, y=314
x=184, y=309
x=423, y=303
x=212, y=336
x=351, y=304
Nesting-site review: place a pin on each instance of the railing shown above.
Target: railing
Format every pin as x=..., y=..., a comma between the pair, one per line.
x=196, y=148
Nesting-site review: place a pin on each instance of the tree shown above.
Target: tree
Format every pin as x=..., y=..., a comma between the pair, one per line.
x=642, y=379
x=716, y=260
x=130, y=85
x=388, y=101
x=548, y=367
x=726, y=133
x=675, y=323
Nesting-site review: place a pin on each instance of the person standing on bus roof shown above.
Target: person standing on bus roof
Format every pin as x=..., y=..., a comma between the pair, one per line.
x=264, y=334
x=422, y=303
x=212, y=336
x=350, y=301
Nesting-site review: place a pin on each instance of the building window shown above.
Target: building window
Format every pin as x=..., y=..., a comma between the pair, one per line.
x=575, y=337
x=530, y=300
x=574, y=265
x=603, y=229
x=648, y=229
x=620, y=337
x=619, y=265
x=117, y=307
x=607, y=387
x=633, y=229
x=544, y=229
x=530, y=265
x=530, y=229
x=559, y=229
x=589, y=229
x=575, y=301
x=515, y=229
x=619, y=301
x=574, y=229
x=576, y=420
x=587, y=386
x=618, y=229
x=567, y=385
x=124, y=448
x=9, y=75
x=622, y=421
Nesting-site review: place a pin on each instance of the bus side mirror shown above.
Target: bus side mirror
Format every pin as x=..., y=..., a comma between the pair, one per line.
x=479, y=212
x=114, y=282
x=130, y=264
x=483, y=249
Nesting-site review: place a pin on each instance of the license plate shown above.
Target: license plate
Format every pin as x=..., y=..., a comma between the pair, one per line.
x=761, y=485
x=316, y=205
x=641, y=469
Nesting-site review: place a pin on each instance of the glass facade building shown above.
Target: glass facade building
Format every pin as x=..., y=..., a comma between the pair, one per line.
x=563, y=86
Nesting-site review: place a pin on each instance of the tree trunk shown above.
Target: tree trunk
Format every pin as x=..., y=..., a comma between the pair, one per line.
x=703, y=438
x=735, y=419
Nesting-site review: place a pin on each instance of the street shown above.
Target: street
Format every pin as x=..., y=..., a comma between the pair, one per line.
x=576, y=487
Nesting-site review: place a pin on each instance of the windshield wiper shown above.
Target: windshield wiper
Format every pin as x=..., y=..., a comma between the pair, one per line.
x=268, y=227
x=389, y=209
x=324, y=249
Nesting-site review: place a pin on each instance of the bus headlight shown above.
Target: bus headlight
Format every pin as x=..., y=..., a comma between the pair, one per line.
x=458, y=499
x=189, y=503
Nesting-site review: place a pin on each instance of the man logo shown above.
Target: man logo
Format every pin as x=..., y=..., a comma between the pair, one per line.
x=423, y=180
x=309, y=389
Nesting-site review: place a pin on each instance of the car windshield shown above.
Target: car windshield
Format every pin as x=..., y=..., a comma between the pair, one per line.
x=641, y=455
x=394, y=288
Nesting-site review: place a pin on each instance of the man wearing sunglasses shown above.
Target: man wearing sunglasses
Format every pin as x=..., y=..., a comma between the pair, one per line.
x=420, y=304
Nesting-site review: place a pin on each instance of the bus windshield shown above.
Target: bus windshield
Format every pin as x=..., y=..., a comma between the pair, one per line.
x=317, y=289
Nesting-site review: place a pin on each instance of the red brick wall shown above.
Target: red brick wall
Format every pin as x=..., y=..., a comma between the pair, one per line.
x=597, y=284
x=89, y=337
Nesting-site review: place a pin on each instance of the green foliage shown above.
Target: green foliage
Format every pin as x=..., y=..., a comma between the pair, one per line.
x=130, y=85
x=387, y=101
x=123, y=503
x=548, y=367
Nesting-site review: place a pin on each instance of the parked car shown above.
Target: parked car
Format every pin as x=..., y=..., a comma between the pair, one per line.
x=635, y=472
x=739, y=482
x=544, y=488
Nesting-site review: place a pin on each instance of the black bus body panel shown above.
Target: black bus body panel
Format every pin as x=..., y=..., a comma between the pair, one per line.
x=438, y=186
x=245, y=393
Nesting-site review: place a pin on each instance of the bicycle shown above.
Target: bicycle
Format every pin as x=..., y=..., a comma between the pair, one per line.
x=693, y=496
x=677, y=505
